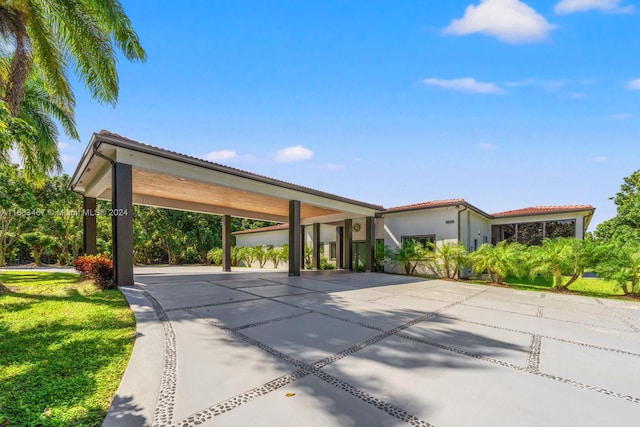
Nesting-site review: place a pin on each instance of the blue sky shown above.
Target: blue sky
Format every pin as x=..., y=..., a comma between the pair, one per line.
x=505, y=103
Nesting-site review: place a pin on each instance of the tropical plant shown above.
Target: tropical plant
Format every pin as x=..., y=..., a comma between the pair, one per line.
x=625, y=226
x=41, y=110
x=38, y=243
x=498, y=261
x=18, y=207
x=550, y=259
x=621, y=262
x=449, y=258
x=214, y=256
x=260, y=255
x=50, y=34
x=411, y=254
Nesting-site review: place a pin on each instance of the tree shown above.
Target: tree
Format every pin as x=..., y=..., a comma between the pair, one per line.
x=63, y=219
x=40, y=155
x=18, y=208
x=498, y=261
x=550, y=259
x=260, y=255
x=50, y=34
x=449, y=258
x=625, y=225
x=13, y=130
x=621, y=262
x=410, y=255
x=38, y=243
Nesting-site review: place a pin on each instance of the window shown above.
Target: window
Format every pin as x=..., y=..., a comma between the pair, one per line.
x=503, y=232
x=428, y=241
x=332, y=250
x=565, y=228
x=532, y=233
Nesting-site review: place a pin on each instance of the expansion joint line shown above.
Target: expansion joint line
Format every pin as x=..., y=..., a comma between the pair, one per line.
x=619, y=316
x=305, y=369
x=163, y=415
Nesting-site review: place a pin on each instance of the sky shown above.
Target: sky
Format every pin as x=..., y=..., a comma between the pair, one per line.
x=504, y=103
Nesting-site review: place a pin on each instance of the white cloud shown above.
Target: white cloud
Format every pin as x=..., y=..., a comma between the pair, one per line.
x=633, y=84
x=599, y=159
x=294, y=154
x=467, y=85
x=486, y=146
x=565, y=7
x=217, y=156
x=511, y=21
x=548, y=85
x=63, y=145
x=621, y=116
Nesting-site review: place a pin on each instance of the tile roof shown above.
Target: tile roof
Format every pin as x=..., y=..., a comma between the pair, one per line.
x=430, y=204
x=261, y=229
x=539, y=210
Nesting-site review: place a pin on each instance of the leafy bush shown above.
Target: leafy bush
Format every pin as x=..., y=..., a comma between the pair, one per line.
x=215, y=256
x=98, y=268
x=325, y=264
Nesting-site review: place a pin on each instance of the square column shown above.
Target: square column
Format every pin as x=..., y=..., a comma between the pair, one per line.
x=89, y=234
x=348, y=244
x=295, y=238
x=316, y=246
x=226, y=242
x=370, y=243
x=339, y=247
x=122, y=223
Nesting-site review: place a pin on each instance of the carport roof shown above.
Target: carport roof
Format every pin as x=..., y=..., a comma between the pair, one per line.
x=168, y=179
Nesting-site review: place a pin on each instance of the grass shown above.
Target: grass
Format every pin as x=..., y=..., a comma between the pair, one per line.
x=64, y=346
x=592, y=287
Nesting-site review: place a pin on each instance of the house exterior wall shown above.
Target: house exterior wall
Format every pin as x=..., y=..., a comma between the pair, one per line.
x=476, y=231
x=269, y=238
x=420, y=223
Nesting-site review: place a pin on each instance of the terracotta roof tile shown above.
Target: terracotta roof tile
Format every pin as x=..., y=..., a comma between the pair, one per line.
x=538, y=210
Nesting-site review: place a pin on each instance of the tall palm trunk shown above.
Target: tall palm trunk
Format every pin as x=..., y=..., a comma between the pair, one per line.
x=20, y=65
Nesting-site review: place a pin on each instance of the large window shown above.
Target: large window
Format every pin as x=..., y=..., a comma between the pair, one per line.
x=428, y=241
x=532, y=233
x=566, y=228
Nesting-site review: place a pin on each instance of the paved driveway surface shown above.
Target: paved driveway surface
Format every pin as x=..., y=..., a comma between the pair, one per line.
x=257, y=348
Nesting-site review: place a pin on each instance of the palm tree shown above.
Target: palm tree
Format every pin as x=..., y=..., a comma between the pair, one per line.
x=499, y=261
x=621, y=262
x=51, y=34
x=411, y=254
x=449, y=258
x=562, y=256
x=39, y=154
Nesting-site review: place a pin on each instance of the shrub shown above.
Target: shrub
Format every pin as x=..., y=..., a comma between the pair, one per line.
x=98, y=268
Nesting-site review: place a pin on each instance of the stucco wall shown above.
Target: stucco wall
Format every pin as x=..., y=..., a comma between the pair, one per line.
x=419, y=223
x=274, y=238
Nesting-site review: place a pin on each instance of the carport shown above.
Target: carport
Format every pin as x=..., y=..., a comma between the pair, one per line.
x=128, y=172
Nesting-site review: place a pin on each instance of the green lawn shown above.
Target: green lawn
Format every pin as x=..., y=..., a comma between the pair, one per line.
x=64, y=346
x=584, y=286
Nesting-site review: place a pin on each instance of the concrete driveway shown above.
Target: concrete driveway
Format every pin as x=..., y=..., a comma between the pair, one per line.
x=260, y=348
